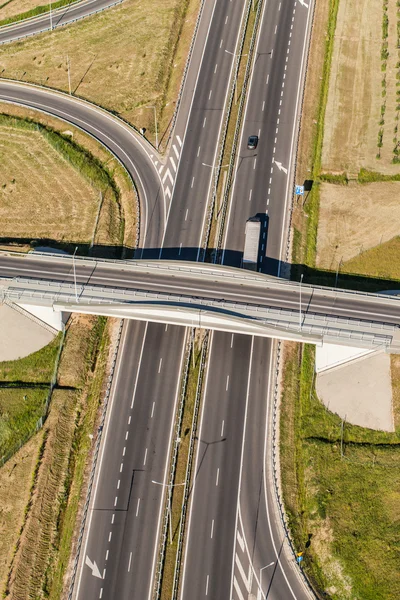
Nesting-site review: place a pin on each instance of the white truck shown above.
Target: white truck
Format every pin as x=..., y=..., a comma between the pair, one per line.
x=251, y=244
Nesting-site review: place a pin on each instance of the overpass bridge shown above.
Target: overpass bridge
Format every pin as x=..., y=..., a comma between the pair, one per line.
x=202, y=295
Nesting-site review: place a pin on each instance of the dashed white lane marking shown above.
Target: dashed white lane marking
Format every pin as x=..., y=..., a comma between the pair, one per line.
x=263, y=106
x=145, y=457
x=116, y=500
x=227, y=383
x=237, y=588
x=198, y=152
x=204, y=122
x=240, y=540
x=107, y=554
x=212, y=528
x=137, y=507
x=241, y=571
x=279, y=8
x=267, y=201
x=251, y=191
x=118, y=484
x=121, y=467
x=232, y=340
x=179, y=140
x=222, y=428
x=104, y=573
x=276, y=27
x=159, y=366
x=123, y=451
x=226, y=20
x=112, y=519
x=255, y=162
x=180, y=249
x=110, y=536
x=267, y=79
x=259, y=132
x=130, y=562
x=216, y=67
x=101, y=593
x=186, y=215
x=166, y=327
x=129, y=420
x=127, y=434
x=272, y=51
x=173, y=163
x=209, y=96
x=221, y=44
x=152, y=410
x=216, y=481
x=208, y=578
x=192, y=182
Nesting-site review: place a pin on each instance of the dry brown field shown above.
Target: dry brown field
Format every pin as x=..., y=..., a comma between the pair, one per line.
x=362, y=84
x=355, y=218
x=41, y=194
x=125, y=69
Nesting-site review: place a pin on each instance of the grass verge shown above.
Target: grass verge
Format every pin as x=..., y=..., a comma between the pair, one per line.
x=340, y=482
x=43, y=543
x=33, y=12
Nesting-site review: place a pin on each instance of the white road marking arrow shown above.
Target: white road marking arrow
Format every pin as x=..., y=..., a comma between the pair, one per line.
x=280, y=167
x=303, y=3
x=93, y=567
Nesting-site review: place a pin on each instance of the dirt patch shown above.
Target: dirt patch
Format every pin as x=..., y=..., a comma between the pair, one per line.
x=355, y=218
x=362, y=92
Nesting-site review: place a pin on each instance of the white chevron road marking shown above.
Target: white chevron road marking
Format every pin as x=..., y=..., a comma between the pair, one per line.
x=168, y=174
x=174, y=148
x=173, y=163
x=179, y=140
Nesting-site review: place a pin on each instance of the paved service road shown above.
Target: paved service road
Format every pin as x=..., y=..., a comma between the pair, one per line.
x=60, y=17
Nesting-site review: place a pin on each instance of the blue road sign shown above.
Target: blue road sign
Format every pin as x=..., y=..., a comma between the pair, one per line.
x=299, y=190
x=299, y=559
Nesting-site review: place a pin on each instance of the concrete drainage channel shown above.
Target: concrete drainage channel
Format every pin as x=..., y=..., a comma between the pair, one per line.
x=164, y=562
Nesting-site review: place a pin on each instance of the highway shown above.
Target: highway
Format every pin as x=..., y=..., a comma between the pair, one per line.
x=232, y=519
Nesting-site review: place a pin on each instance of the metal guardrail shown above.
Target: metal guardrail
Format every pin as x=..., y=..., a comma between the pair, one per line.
x=174, y=456
x=188, y=477
x=94, y=465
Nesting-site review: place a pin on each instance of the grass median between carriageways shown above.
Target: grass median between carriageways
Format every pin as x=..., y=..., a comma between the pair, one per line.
x=125, y=69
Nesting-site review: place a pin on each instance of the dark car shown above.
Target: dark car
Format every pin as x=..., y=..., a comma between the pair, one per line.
x=252, y=142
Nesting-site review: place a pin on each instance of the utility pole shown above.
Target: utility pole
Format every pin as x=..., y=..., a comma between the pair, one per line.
x=69, y=75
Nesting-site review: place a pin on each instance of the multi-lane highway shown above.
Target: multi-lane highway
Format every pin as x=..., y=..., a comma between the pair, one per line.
x=231, y=498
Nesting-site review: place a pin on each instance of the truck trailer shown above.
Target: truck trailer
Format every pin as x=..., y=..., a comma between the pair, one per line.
x=251, y=244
